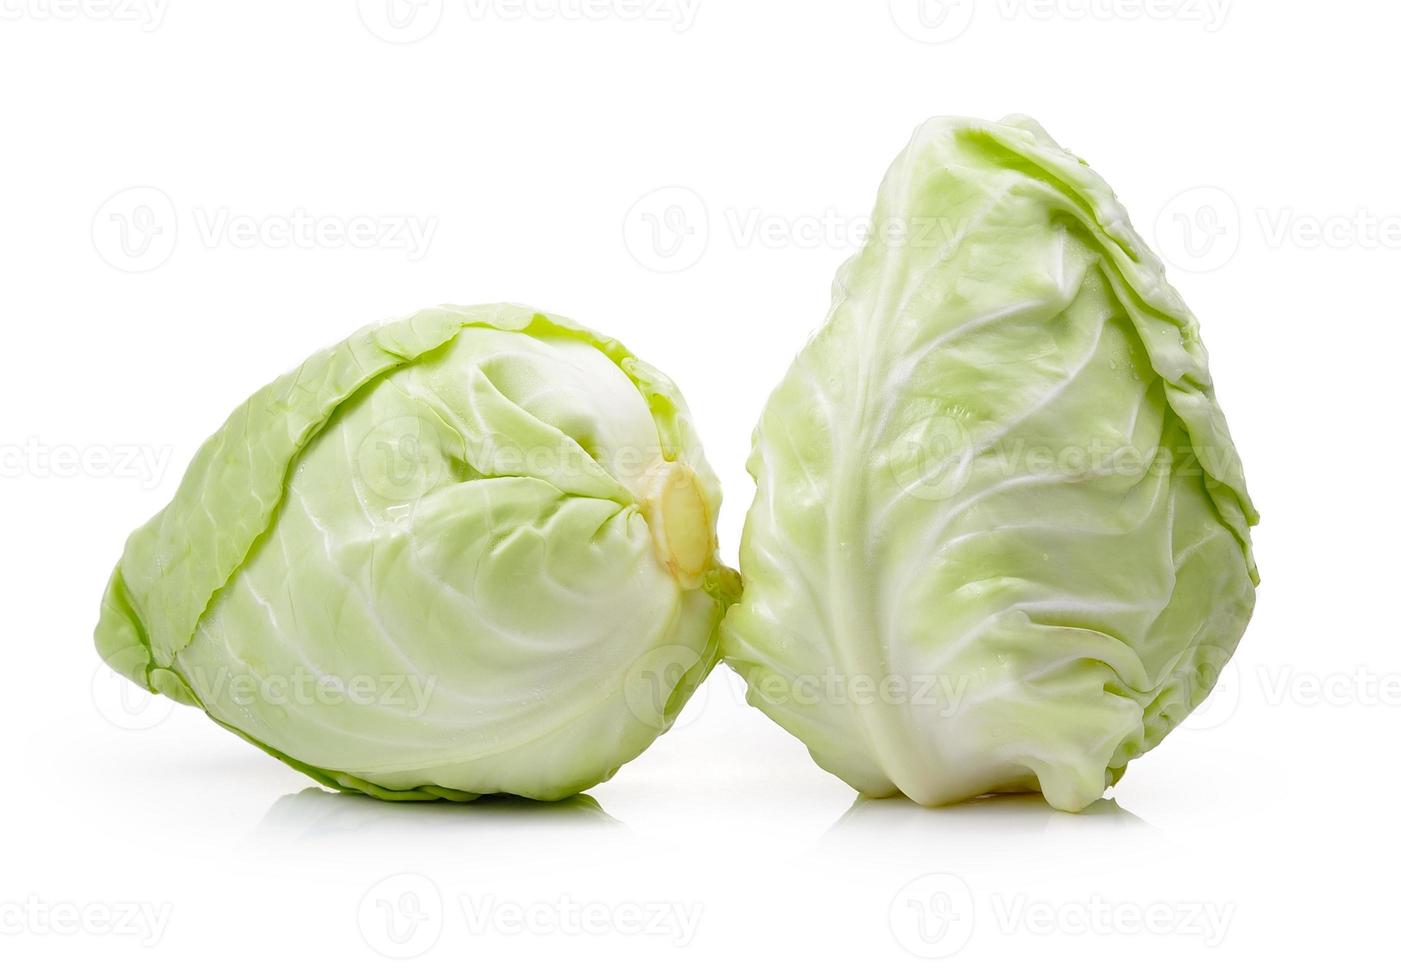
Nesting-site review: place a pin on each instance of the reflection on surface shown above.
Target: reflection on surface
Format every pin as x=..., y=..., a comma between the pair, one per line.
x=318, y=815
x=870, y=820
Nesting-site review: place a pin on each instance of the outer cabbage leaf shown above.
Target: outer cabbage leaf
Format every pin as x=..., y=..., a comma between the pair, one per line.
x=467, y=552
x=1000, y=540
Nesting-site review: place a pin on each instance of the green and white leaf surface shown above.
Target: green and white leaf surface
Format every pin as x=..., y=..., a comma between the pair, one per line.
x=1000, y=540
x=471, y=551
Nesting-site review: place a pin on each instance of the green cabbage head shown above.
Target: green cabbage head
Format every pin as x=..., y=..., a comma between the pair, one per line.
x=467, y=552
x=1000, y=540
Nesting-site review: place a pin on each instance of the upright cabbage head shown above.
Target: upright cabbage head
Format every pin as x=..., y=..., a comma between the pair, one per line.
x=467, y=552
x=1001, y=535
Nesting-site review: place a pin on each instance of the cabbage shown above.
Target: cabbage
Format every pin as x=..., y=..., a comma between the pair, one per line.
x=467, y=552
x=1000, y=540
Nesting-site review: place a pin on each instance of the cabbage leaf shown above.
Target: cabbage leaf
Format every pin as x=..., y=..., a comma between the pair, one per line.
x=1000, y=540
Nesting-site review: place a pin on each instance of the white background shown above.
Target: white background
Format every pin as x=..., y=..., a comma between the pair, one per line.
x=1255, y=143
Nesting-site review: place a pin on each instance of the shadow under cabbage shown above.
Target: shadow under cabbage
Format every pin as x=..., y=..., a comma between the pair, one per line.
x=1025, y=814
x=320, y=814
